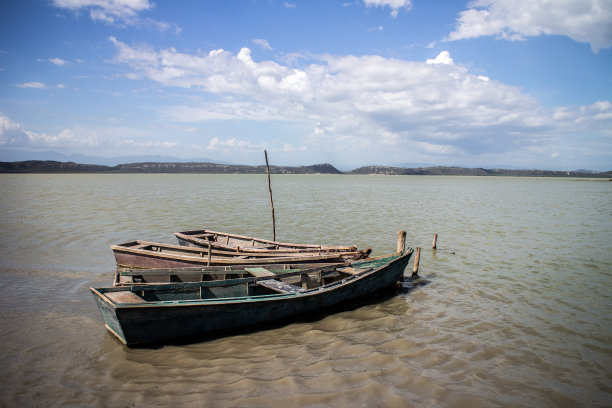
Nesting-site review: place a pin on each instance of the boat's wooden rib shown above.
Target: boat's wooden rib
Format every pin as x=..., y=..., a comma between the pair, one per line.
x=159, y=312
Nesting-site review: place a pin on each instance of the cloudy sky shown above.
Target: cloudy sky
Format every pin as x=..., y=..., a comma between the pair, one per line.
x=485, y=83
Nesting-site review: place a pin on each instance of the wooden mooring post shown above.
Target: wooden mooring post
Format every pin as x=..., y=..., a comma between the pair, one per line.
x=401, y=241
x=417, y=258
x=434, y=244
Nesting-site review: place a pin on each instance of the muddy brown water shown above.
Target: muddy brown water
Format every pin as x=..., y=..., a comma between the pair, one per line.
x=516, y=309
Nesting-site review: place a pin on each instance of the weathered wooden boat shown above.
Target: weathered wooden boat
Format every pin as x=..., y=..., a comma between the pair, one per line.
x=203, y=238
x=147, y=254
x=138, y=276
x=158, y=313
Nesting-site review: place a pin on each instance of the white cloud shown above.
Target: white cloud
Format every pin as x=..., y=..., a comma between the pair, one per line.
x=146, y=144
x=233, y=144
x=109, y=11
x=242, y=110
x=57, y=61
x=587, y=21
x=34, y=85
x=429, y=110
x=9, y=130
x=100, y=141
x=185, y=129
x=14, y=135
x=116, y=12
x=444, y=58
x=599, y=112
x=289, y=5
x=394, y=5
x=437, y=149
x=289, y=148
x=66, y=137
x=262, y=43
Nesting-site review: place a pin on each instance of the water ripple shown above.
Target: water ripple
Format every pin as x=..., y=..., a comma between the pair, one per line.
x=516, y=312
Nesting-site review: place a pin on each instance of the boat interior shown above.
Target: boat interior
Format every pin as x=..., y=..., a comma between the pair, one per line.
x=203, y=252
x=262, y=282
x=240, y=241
x=131, y=276
x=231, y=240
x=245, y=243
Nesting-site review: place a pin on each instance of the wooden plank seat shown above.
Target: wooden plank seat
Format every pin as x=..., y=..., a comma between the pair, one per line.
x=259, y=272
x=279, y=286
x=353, y=271
x=124, y=297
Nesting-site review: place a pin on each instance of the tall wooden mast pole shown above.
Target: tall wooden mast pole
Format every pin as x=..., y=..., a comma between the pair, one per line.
x=271, y=201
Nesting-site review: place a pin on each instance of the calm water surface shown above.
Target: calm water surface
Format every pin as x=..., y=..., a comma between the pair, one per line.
x=516, y=311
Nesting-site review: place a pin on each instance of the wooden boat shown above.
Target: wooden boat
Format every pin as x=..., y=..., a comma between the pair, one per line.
x=158, y=313
x=222, y=240
x=146, y=254
x=137, y=276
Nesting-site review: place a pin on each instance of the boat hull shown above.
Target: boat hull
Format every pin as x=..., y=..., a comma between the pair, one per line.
x=149, y=322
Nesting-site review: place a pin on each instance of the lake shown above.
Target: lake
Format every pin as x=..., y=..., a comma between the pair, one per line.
x=515, y=308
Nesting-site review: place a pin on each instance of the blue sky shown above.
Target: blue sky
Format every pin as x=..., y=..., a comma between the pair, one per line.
x=487, y=83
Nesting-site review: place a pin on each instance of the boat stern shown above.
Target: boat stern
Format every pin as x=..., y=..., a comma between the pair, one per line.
x=109, y=314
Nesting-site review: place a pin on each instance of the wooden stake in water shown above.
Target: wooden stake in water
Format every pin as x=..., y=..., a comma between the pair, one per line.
x=434, y=244
x=417, y=258
x=271, y=201
x=401, y=241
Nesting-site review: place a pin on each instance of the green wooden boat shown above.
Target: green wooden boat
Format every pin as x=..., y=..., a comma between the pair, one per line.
x=161, y=312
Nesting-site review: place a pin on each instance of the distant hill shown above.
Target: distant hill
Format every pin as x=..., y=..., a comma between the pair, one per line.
x=461, y=171
x=13, y=155
x=216, y=168
x=48, y=166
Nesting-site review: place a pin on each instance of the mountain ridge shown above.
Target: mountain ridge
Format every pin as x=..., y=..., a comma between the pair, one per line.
x=51, y=166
